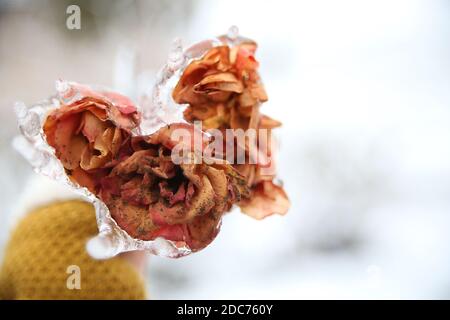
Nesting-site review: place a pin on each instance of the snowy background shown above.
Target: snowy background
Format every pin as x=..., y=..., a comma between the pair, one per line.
x=363, y=90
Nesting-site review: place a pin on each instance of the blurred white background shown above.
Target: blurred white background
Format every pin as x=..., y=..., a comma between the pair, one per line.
x=363, y=90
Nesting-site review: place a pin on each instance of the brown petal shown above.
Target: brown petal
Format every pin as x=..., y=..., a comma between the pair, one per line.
x=219, y=183
x=165, y=214
x=237, y=120
x=164, y=136
x=137, y=193
x=74, y=150
x=90, y=159
x=193, y=73
x=254, y=117
x=92, y=126
x=258, y=92
x=202, y=112
x=218, y=96
x=248, y=171
x=267, y=122
x=214, y=123
x=246, y=99
x=224, y=81
x=203, y=201
x=245, y=60
x=237, y=181
x=82, y=178
x=135, y=220
x=125, y=121
x=188, y=95
x=249, y=47
x=131, y=164
x=165, y=170
x=116, y=142
x=110, y=186
x=190, y=172
x=218, y=56
x=183, y=91
x=99, y=111
x=63, y=136
x=267, y=198
x=202, y=231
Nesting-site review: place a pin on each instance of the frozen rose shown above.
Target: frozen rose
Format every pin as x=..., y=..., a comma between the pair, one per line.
x=149, y=196
x=222, y=88
x=91, y=134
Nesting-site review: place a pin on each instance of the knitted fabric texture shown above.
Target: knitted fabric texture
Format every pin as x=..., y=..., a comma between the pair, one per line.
x=45, y=247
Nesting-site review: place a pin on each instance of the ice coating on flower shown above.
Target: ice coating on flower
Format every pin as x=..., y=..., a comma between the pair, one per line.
x=223, y=89
x=147, y=194
x=90, y=141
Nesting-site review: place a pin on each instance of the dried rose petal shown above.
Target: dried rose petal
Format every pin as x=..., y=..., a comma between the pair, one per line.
x=266, y=198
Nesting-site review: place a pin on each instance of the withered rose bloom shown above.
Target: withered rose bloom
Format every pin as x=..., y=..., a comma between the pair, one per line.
x=148, y=195
x=223, y=90
x=92, y=134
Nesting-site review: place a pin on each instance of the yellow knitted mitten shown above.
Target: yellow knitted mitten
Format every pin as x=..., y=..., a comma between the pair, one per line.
x=46, y=259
